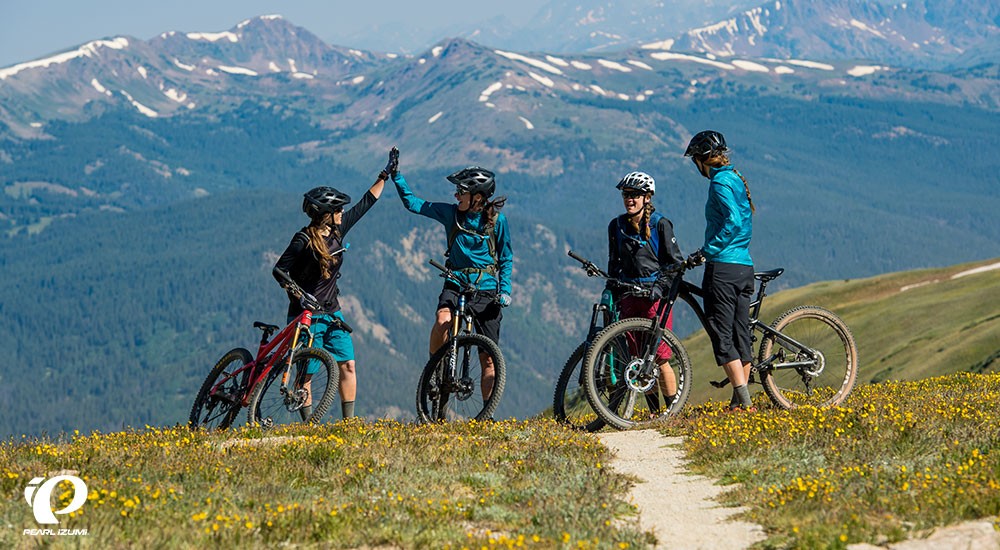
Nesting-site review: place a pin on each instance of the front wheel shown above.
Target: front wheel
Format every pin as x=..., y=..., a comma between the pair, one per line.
x=569, y=402
x=620, y=389
x=445, y=395
x=820, y=374
x=310, y=390
x=218, y=400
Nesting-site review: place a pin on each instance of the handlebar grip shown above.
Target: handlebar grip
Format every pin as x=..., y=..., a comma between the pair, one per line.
x=439, y=266
x=577, y=257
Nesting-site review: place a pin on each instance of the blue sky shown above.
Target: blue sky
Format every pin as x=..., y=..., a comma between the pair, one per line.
x=30, y=29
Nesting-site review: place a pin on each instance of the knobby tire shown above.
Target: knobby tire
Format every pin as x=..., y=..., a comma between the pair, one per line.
x=436, y=403
x=218, y=409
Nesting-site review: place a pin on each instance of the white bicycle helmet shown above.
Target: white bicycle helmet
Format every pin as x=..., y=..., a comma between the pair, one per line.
x=640, y=181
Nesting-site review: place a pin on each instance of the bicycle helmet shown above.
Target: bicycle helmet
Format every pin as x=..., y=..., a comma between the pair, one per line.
x=474, y=180
x=323, y=200
x=706, y=143
x=640, y=181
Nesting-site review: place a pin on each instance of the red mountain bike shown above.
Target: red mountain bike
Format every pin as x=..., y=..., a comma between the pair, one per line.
x=304, y=376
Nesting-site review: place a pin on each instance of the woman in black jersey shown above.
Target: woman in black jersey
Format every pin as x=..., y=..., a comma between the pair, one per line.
x=312, y=260
x=641, y=244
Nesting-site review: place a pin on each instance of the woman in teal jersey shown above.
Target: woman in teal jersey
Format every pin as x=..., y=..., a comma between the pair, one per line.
x=479, y=252
x=728, y=283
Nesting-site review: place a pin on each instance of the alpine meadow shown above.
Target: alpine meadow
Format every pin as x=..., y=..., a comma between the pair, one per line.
x=149, y=186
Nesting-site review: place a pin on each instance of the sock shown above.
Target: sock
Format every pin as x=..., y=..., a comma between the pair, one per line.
x=306, y=412
x=734, y=401
x=347, y=408
x=670, y=400
x=744, y=394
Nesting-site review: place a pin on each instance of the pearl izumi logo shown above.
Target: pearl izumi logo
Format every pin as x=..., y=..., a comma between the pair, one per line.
x=39, y=497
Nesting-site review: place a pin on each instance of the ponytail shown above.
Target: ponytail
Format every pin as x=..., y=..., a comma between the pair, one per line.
x=746, y=186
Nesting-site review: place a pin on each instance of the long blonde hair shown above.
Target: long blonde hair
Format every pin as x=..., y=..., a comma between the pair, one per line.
x=721, y=159
x=317, y=242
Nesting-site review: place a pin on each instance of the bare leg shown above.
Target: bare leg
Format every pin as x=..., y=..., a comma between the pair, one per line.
x=440, y=330
x=348, y=381
x=489, y=374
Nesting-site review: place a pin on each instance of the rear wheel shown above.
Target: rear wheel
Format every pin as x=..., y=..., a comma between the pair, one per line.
x=569, y=403
x=443, y=397
x=312, y=385
x=618, y=389
x=826, y=370
x=218, y=400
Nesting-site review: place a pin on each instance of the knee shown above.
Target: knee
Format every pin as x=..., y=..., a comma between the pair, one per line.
x=443, y=319
x=347, y=367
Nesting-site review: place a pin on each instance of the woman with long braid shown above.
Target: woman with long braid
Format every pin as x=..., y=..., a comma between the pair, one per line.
x=728, y=282
x=641, y=244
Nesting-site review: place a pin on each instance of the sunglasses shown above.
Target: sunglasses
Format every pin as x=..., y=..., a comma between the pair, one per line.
x=632, y=194
x=338, y=210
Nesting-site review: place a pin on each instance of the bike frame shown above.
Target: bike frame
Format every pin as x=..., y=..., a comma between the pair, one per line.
x=686, y=291
x=269, y=353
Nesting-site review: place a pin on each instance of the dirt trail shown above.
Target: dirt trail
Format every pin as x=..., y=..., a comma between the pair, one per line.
x=680, y=508
x=676, y=505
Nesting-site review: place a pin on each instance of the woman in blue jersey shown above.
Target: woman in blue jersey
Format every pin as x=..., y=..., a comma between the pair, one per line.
x=313, y=262
x=728, y=282
x=479, y=252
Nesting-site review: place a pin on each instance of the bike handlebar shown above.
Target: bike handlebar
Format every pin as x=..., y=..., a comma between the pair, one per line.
x=446, y=273
x=594, y=271
x=306, y=300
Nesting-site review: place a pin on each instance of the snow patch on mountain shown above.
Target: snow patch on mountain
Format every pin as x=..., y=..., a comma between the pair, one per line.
x=213, y=36
x=139, y=106
x=527, y=123
x=484, y=96
x=580, y=65
x=183, y=66
x=665, y=56
x=614, y=65
x=865, y=70
x=543, y=79
x=97, y=86
x=750, y=66
x=238, y=70
x=89, y=49
x=810, y=64
x=529, y=60
x=434, y=118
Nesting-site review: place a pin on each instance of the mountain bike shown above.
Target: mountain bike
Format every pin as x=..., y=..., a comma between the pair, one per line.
x=277, y=385
x=447, y=387
x=807, y=356
x=569, y=401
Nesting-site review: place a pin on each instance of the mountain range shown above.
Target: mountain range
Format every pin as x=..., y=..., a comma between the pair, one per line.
x=149, y=185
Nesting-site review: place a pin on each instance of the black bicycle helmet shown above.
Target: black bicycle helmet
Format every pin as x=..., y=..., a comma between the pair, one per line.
x=474, y=180
x=640, y=181
x=323, y=200
x=706, y=143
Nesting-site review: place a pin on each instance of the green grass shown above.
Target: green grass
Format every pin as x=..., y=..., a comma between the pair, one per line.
x=897, y=459
x=348, y=484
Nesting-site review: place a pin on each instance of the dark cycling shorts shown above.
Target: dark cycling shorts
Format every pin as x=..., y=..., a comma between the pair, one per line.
x=728, y=288
x=486, y=313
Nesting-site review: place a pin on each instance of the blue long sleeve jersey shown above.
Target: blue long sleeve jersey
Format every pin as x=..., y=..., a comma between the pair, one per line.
x=729, y=219
x=468, y=250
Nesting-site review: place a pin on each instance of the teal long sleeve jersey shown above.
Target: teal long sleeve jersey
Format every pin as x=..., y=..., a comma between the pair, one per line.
x=729, y=219
x=469, y=250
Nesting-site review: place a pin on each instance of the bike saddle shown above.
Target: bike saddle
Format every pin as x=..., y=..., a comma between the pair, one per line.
x=265, y=327
x=765, y=276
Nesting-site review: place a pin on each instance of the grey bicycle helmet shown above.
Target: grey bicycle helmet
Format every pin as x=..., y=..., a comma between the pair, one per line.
x=474, y=180
x=640, y=181
x=323, y=200
x=706, y=143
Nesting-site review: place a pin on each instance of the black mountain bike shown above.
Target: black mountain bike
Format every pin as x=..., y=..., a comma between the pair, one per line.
x=807, y=356
x=448, y=385
x=569, y=401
